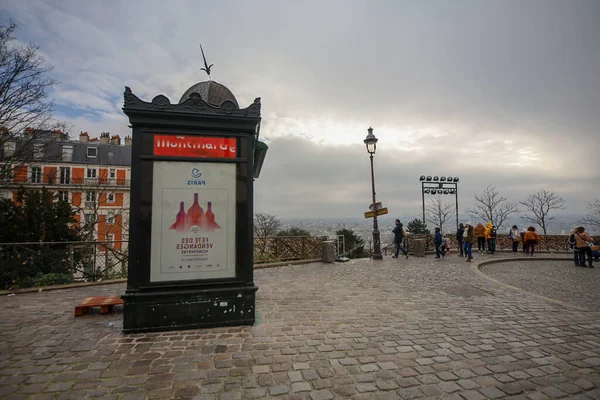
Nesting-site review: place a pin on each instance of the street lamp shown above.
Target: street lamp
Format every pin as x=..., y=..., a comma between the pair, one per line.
x=439, y=185
x=371, y=143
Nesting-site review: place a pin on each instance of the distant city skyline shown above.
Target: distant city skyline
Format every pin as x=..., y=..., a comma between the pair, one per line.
x=496, y=92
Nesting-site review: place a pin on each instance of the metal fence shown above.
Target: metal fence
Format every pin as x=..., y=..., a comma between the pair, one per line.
x=33, y=264
x=551, y=243
x=287, y=248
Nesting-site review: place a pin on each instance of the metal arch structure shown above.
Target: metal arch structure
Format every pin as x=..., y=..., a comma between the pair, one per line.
x=439, y=185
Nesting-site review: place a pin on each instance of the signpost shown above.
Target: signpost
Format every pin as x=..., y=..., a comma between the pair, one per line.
x=378, y=206
x=381, y=211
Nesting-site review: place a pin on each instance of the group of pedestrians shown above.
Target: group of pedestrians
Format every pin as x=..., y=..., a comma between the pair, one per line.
x=582, y=244
x=467, y=236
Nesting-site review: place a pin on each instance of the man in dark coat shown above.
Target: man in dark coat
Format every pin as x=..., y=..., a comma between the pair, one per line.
x=437, y=242
x=398, y=236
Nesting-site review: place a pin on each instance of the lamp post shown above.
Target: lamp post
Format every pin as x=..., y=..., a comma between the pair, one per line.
x=439, y=185
x=371, y=143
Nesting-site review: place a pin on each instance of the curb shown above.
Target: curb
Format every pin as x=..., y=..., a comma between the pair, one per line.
x=124, y=280
x=476, y=268
x=60, y=287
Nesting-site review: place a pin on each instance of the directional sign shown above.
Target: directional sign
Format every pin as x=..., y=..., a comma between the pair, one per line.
x=378, y=206
x=371, y=214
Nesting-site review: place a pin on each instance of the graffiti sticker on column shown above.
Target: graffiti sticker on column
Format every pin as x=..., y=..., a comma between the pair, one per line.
x=195, y=146
x=193, y=221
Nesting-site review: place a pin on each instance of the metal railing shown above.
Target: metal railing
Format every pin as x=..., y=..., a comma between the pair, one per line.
x=54, y=181
x=551, y=243
x=32, y=264
x=287, y=248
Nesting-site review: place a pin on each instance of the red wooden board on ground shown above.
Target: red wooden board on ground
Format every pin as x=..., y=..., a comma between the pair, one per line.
x=105, y=303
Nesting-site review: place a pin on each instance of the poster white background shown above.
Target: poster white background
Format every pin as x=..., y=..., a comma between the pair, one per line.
x=197, y=252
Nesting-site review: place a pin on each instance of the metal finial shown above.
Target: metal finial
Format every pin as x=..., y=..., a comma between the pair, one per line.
x=206, y=66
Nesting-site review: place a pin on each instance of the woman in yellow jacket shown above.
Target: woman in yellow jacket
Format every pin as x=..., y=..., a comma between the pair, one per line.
x=531, y=239
x=490, y=237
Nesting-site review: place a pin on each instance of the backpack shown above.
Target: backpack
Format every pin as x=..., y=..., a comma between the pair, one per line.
x=492, y=233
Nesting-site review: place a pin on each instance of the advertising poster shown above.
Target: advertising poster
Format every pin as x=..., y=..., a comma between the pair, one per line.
x=193, y=221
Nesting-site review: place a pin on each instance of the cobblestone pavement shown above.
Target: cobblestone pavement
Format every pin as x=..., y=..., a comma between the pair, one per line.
x=363, y=329
x=560, y=280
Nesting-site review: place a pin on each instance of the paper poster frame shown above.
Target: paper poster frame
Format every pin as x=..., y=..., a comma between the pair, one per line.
x=197, y=251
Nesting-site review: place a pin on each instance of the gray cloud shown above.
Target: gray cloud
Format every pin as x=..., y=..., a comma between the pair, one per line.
x=501, y=92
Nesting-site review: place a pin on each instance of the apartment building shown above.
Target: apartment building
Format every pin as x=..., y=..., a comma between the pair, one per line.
x=93, y=174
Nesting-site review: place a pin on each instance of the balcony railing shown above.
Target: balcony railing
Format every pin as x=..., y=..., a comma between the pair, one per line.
x=85, y=182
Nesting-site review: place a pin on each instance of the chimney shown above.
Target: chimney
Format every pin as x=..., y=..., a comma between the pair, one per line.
x=128, y=140
x=116, y=140
x=84, y=137
x=57, y=134
x=104, y=137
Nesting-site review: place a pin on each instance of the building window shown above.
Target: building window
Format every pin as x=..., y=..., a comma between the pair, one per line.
x=67, y=153
x=92, y=152
x=110, y=218
x=5, y=172
x=9, y=148
x=111, y=198
x=112, y=173
x=89, y=221
x=90, y=198
x=5, y=194
x=36, y=174
x=110, y=241
x=65, y=175
x=63, y=195
x=38, y=151
x=91, y=172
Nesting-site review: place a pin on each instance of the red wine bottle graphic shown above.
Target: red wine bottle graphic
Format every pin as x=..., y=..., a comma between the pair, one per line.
x=195, y=215
x=211, y=225
x=179, y=224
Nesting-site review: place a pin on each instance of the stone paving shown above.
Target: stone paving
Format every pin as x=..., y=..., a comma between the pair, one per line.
x=391, y=329
x=555, y=279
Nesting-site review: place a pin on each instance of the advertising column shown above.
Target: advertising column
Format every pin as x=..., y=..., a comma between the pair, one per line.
x=193, y=220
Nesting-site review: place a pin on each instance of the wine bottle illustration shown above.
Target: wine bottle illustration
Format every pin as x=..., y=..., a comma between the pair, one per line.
x=211, y=225
x=195, y=215
x=179, y=224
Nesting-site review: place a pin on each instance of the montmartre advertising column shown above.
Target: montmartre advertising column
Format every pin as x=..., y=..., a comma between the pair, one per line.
x=191, y=230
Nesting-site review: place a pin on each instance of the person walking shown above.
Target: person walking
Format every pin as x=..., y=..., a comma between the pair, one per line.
x=459, y=238
x=531, y=239
x=437, y=242
x=469, y=238
x=398, y=237
x=583, y=243
x=515, y=238
x=480, y=232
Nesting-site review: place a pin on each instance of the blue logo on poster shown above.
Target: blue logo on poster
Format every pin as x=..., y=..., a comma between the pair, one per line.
x=196, y=174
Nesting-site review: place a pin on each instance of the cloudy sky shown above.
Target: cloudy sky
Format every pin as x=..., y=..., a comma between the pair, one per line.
x=495, y=92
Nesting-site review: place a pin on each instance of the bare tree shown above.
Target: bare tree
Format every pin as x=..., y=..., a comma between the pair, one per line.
x=492, y=207
x=538, y=205
x=593, y=217
x=25, y=109
x=438, y=212
x=265, y=225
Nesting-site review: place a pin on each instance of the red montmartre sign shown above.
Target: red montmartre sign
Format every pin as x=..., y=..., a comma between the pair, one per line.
x=195, y=146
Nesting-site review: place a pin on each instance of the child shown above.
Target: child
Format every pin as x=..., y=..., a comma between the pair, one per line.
x=445, y=246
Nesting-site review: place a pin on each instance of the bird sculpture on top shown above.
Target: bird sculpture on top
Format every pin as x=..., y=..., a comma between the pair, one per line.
x=206, y=66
